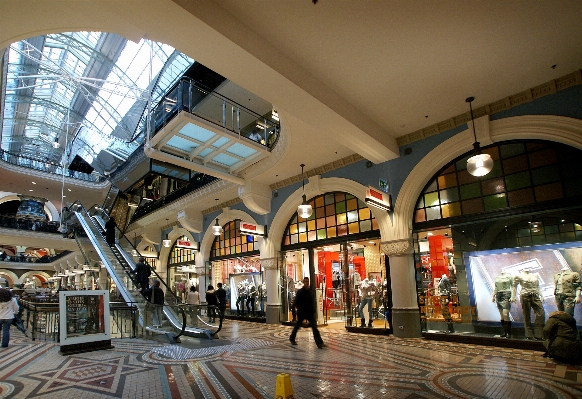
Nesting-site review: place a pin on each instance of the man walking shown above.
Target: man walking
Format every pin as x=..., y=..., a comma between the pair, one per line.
x=221, y=296
x=305, y=311
x=142, y=273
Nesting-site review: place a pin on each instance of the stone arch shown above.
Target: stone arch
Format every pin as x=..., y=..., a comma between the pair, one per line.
x=42, y=276
x=541, y=127
x=173, y=235
x=317, y=186
x=10, y=276
x=226, y=216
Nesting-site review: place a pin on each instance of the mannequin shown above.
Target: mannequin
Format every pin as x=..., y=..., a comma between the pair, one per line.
x=452, y=268
x=242, y=296
x=567, y=290
x=290, y=296
x=367, y=292
x=531, y=298
x=356, y=280
x=504, y=295
x=444, y=288
x=251, y=297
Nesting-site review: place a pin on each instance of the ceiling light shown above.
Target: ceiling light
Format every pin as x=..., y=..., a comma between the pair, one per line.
x=304, y=210
x=33, y=182
x=31, y=190
x=479, y=164
x=166, y=243
x=217, y=229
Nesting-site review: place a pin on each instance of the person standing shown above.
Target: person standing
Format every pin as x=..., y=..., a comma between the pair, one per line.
x=193, y=301
x=221, y=296
x=110, y=231
x=304, y=304
x=155, y=296
x=142, y=273
x=8, y=308
x=212, y=302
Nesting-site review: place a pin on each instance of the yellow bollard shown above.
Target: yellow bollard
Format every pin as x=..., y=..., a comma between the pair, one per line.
x=284, y=389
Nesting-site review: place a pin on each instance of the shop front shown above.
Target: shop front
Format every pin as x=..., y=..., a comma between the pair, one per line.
x=338, y=248
x=496, y=255
x=181, y=267
x=235, y=262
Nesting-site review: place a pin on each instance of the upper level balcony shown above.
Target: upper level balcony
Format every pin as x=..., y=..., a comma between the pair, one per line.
x=209, y=133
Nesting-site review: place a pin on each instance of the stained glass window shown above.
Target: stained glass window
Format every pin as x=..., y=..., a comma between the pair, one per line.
x=182, y=255
x=524, y=173
x=334, y=215
x=231, y=242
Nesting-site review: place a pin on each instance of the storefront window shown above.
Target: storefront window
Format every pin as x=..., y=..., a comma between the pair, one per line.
x=236, y=264
x=338, y=248
x=496, y=264
x=181, y=267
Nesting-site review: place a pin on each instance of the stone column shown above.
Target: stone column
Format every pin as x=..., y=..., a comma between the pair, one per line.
x=405, y=312
x=269, y=266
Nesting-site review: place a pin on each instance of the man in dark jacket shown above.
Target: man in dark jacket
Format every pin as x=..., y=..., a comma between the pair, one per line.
x=142, y=273
x=303, y=302
x=212, y=302
x=221, y=296
x=561, y=337
x=110, y=231
x=155, y=297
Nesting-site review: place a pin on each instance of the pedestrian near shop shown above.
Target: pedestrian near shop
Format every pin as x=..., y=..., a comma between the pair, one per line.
x=8, y=308
x=303, y=302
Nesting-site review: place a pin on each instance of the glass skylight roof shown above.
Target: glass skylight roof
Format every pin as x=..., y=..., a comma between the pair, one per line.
x=87, y=91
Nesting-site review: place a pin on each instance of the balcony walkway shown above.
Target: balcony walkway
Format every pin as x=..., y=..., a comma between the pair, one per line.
x=245, y=362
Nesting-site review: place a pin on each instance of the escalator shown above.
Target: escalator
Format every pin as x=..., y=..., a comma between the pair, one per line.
x=118, y=260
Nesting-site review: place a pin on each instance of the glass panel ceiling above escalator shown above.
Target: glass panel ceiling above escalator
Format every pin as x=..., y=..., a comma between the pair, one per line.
x=86, y=91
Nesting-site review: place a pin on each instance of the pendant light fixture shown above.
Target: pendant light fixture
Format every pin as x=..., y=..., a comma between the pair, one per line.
x=304, y=210
x=217, y=229
x=479, y=164
x=167, y=241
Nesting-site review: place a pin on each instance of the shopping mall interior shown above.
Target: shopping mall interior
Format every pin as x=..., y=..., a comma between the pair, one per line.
x=418, y=181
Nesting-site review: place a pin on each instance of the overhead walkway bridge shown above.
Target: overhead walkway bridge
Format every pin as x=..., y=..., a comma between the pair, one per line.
x=119, y=261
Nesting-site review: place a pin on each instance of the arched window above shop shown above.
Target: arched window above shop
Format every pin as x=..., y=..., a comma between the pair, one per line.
x=334, y=215
x=232, y=242
x=525, y=174
x=180, y=253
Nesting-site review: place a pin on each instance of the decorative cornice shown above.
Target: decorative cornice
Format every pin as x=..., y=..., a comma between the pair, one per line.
x=551, y=87
x=340, y=163
x=397, y=248
x=269, y=264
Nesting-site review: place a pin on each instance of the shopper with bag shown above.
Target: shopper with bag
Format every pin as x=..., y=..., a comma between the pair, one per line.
x=8, y=308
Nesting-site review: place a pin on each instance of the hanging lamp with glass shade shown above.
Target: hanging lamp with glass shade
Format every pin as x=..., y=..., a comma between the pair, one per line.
x=479, y=164
x=304, y=210
x=217, y=229
x=166, y=243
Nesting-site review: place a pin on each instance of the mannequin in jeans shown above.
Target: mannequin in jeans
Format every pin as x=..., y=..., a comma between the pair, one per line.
x=531, y=298
x=504, y=295
x=567, y=290
x=367, y=292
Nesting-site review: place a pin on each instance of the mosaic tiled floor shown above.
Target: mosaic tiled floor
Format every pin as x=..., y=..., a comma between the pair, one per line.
x=245, y=361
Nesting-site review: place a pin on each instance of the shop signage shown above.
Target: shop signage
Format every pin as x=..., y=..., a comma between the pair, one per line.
x=186, y=244
x=252, y=229
x=378, y=199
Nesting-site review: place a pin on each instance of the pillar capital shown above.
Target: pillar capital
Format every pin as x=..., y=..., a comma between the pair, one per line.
x=397, y=247
x=269, y=263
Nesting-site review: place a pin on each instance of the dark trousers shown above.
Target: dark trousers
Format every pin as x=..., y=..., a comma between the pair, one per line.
x=311, y=320
x=529, y=302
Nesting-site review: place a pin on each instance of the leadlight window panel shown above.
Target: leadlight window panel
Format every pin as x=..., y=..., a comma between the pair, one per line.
x=472, y=206
x=511, y=150
x=547, y=174
x=181, y=255
x=517, y=181
x=431, y=199
x=433, y=213
x=452, y=209
x=355, y=217
x=521, y=197
x=493, y=186
x=231, y=242
x=448, y=180
x=496, y=201
x=515, y=164
x=449, y=195
x=548, y=192
x=472, y=190
x=542, y=158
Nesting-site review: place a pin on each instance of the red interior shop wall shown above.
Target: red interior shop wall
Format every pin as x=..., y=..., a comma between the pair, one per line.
x=439, y=246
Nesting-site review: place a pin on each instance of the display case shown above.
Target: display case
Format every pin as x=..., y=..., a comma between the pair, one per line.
x=84, y=321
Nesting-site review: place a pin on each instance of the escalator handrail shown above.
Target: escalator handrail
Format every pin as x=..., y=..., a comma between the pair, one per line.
x=99, y=218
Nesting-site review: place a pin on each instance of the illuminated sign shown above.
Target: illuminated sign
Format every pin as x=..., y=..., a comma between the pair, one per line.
x=378, y=199
x=252, y=229
x=186, y=244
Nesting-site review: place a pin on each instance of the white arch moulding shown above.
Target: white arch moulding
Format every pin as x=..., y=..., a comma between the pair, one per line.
x=541, y=127
x=315, y=187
